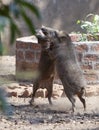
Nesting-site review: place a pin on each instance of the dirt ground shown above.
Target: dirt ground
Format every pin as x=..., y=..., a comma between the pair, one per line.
x=21, y=116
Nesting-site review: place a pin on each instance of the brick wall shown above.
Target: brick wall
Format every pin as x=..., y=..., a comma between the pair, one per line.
x=28, y=54
x=27, y=57
x=88, y=56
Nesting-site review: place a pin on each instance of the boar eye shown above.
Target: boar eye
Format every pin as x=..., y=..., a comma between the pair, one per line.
x=63, y=38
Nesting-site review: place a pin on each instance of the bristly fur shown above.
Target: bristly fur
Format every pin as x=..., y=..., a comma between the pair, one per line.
x=46, y=69
x=62, y=50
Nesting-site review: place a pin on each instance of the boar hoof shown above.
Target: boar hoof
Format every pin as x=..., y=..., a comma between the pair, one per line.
x=31, y=102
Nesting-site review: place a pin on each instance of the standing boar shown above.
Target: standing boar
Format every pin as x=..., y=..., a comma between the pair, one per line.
x=46, y=69
x=62, y=51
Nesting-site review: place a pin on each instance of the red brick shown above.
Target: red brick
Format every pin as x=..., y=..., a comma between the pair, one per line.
x=38, y=55
x=24, y=94
x=21, y=45
x=80, y=57
x=29, y=55
x=20, y=55
x=81, y=48
x=96, y=66
x=75, y=37
x=10, y=94
x=23, y=66
x=86, y=66
x=35, y=46
x=91, y=57
x=91, y=77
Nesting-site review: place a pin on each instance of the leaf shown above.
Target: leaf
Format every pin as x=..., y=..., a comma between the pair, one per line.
x=28, y=22
x=78, y=21
x=14, y=9
x=31, y=7
x=14, y=30
x=12, y=34
x=4, y=10
x=96, y=19
x=1, y=48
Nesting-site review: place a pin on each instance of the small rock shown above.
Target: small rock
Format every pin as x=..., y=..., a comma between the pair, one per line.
x=10, y=94
x=25, y=94
x=4, y=120
x=39, y=93
x=81, y=122
x=50, y=117
x=16, y=122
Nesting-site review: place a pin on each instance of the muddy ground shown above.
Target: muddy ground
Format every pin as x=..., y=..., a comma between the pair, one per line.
x=41, y=116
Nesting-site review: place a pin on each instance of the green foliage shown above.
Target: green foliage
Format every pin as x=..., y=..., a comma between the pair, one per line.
x=15, y=9
x=8, y=13
x=90, y=26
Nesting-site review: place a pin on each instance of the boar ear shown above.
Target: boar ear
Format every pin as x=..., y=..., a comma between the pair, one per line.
x=55, y=34
x=64, y=36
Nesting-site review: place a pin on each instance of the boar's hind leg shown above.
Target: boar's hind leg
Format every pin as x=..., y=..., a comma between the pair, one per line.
x=72, y=100
x=80, y=95
x=49, y=95
x=35, y=87
x=83, y=101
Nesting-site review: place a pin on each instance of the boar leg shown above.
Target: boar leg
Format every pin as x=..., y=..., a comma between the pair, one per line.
x=35, y=88
x=50, y=89
x=83, y=101
x=72, y=100
x=49, y=95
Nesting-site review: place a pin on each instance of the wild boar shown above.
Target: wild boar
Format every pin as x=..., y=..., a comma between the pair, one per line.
x=46, y=69
x=62, y=51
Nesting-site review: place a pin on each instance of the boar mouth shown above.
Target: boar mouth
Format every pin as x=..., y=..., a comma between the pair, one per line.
x=43, y=39
x=40, y=35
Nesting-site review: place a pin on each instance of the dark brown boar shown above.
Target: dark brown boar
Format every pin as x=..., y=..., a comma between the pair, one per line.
x=62, y=50
x=46, y=69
